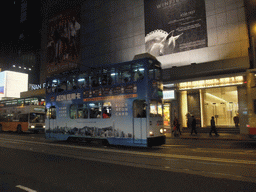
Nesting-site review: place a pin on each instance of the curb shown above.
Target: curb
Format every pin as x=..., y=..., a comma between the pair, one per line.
x=211, y=138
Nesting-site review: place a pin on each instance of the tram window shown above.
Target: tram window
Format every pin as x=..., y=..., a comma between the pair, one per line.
x=82, y=111
x=69, y=85
x=160, y=109
x=49, y=86
x=158, y=73
x=51, y=113
x=82, y=80
x=139, y=109
x=118, y=76
x=73, y=111
x=154, y=71
x=151, y=73
x=95, y=110
x=104, y=80
x=54, y=84
x=110, y=77
x=94, y=78
x=138, y=72
x=126, y=75
x=62, y=85
x=107, y=110
x=72, y=83
x=156, y=109
x=95, y=81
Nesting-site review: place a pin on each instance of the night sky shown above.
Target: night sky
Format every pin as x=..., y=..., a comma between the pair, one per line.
x=12, y=28
x=10, y=18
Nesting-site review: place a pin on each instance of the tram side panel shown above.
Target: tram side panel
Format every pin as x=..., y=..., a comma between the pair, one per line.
x=118, y=129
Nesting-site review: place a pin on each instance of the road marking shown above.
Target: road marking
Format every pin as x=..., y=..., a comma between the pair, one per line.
x=205, y=150
x=222, y=160
x=25, y=188
x=173, y=146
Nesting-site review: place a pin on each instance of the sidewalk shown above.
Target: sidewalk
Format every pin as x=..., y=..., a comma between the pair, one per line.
x=205, y=136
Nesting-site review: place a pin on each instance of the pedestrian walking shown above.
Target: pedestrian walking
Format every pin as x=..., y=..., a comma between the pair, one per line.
x=176, y=126
x=213, y=127
x=236, y=120
x=189, y=121
x=193, y=124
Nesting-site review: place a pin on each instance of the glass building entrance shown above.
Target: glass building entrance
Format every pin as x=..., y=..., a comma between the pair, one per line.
x=222, y=103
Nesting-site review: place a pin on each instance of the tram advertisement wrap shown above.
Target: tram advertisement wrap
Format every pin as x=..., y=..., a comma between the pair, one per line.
x=173, y=26
x=63, y=45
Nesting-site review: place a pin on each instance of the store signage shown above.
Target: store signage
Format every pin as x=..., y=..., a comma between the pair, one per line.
x=227, y=81
x=168, y=94
x=36, y=86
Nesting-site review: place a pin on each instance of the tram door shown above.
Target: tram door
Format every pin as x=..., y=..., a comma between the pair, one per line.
x=139, y=121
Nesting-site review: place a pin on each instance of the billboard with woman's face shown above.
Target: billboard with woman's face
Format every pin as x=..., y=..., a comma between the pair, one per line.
x=173, y=26
x=63, y=46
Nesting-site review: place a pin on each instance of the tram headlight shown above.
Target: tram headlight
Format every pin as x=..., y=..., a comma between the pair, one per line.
x=32, y=126
x=162, y=131
x=43, y=126
x=151, y=133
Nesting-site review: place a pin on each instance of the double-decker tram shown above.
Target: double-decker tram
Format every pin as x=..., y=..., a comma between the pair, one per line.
x=120, y=104
x=22, y=115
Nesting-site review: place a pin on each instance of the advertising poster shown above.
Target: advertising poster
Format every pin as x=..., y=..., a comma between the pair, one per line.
x=63, y=46
x=2, y=83
x=1, y=89
x=173, y=26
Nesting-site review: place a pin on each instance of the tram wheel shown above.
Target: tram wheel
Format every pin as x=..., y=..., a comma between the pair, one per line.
x=19, y=131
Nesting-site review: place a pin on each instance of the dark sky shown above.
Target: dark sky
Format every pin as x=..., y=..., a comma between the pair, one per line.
x=10, y=16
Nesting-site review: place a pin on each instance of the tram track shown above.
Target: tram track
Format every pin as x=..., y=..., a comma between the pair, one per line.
x=151, y=160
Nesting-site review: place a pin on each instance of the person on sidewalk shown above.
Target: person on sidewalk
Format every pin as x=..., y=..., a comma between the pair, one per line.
x=236, y=120
x=189, y=121
x=176, y=126
x=193, y=125
x=213, y=127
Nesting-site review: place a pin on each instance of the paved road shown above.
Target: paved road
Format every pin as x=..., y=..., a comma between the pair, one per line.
x=29, y=161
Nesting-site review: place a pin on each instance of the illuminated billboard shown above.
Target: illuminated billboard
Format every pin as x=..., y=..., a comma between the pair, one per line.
x=12, y=83
x=1, y=89
x=63, y=46
x=2, y=83
x=173, y=26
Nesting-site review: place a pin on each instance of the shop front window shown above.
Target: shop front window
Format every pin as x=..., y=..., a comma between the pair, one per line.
x=167, y=114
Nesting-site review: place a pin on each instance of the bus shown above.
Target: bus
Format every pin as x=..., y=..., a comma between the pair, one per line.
x=118, y=104
x=22, y=115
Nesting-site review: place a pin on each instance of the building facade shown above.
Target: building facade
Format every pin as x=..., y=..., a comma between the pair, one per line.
x=204, y=47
